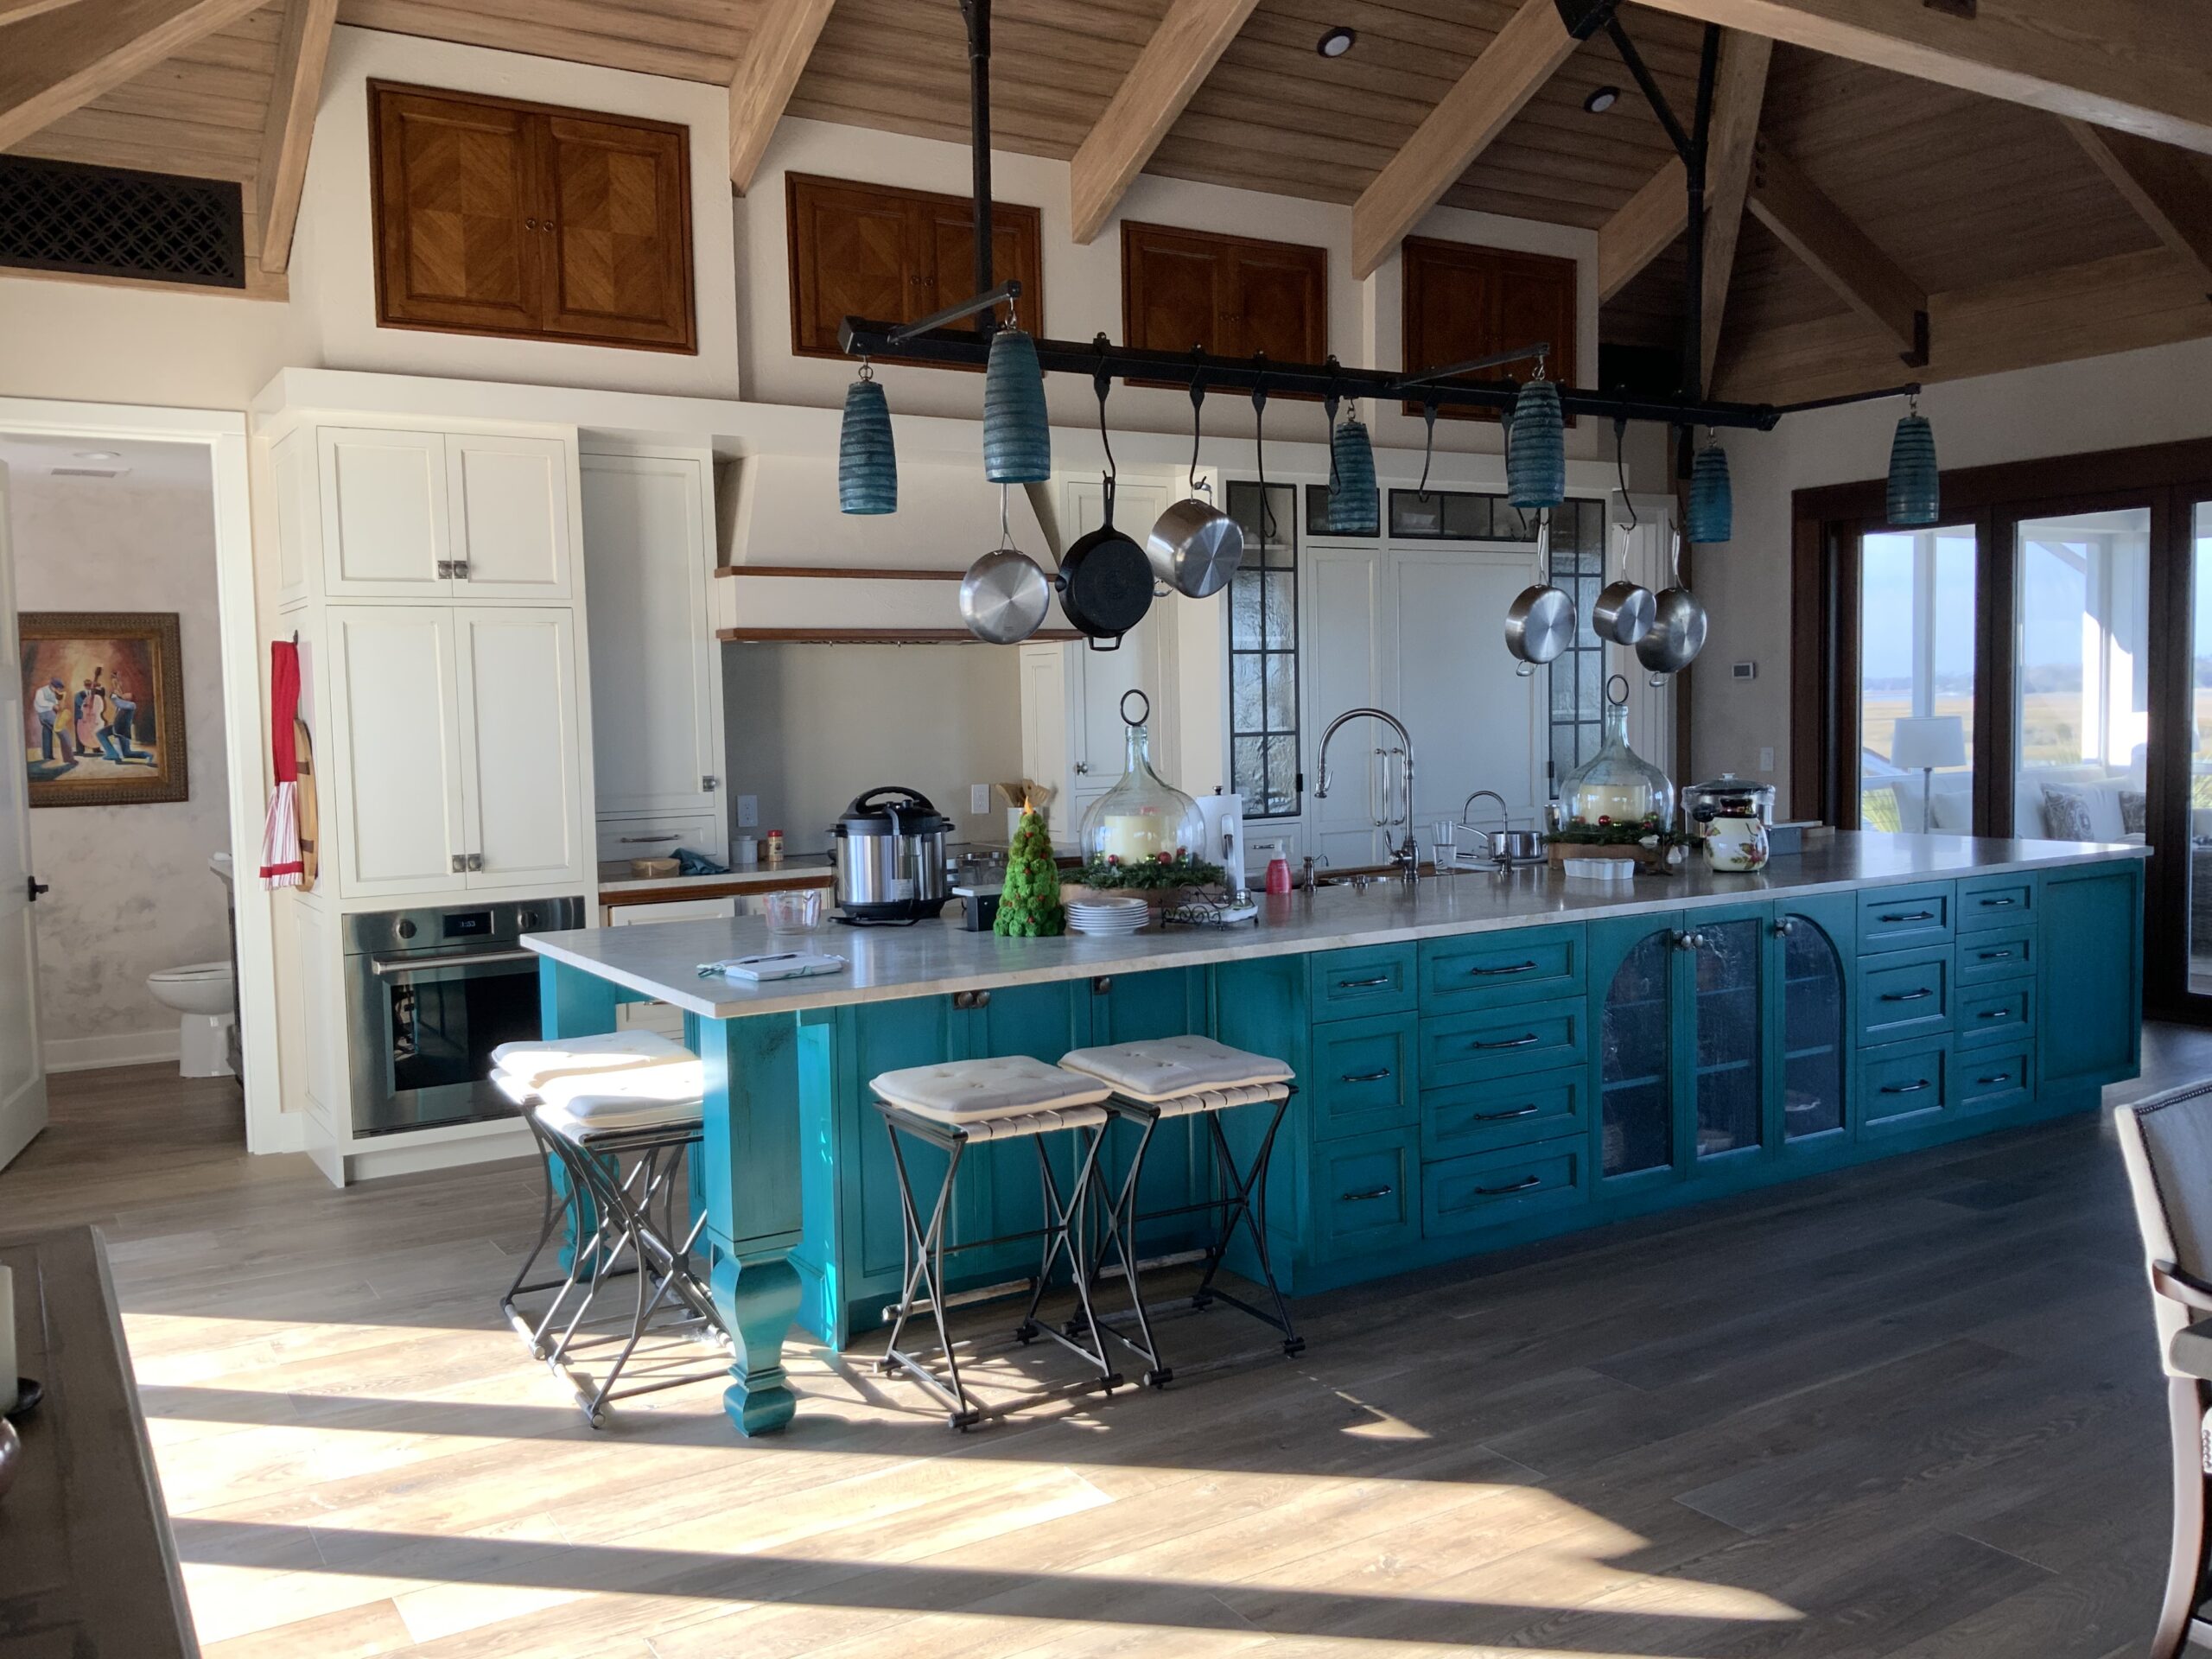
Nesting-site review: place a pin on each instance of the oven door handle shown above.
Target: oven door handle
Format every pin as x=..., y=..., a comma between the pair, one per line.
x=385, y=966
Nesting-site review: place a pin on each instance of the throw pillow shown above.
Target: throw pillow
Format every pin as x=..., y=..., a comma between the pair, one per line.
x=2065, y=813
x=2134, y=811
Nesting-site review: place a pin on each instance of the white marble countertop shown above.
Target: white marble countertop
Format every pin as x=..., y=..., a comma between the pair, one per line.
x=933, y=958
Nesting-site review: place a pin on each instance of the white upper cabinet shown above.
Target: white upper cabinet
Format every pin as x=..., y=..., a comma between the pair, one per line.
x=520, y=746
x=384, y=530
x=656, y=668
x=510, y=507
x=394, y=738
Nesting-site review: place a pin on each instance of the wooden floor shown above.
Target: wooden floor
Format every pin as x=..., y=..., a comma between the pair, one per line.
x=1912, y=1410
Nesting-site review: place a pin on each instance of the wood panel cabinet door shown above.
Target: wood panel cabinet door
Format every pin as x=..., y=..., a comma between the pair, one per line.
x=520, y=745
x=869, y=250
x=618, y=235
x=508, y=499
x=386, y=530
x=1232, y=295
x=397, y=817
x=1464, y=301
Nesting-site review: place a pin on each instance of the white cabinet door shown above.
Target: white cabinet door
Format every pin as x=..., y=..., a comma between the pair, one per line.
x=394, y=736
x=23, y=1072
x=386, y=533
x=510, y=499
x=1441, y=682
x=656, y=679
x=520, y=748
x=1346, y=667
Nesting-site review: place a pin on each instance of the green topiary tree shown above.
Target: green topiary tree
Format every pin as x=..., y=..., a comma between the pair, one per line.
x=1030, y=907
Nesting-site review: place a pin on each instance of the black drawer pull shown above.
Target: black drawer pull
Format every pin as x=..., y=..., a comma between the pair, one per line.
x=1994, y=1014
x=1904, y=1088
x=1920, y=996
x=1996, y=1077
x=1363, y=984
x=1363, y=1197
x=1518, y=967
x=1500, y=1118
x=1996, y=955
x=1998, y=904
x=1511, y=1042
x=1365, y=1076
x=1913, y=916
x=1521, y=1186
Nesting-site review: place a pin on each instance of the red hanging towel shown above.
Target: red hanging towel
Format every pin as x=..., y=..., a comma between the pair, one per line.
x=281, y=865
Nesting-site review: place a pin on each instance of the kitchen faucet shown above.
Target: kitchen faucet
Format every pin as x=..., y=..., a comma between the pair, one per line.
x=1404, y=859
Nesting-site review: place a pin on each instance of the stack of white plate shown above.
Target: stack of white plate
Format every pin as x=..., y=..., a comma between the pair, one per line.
x=1108, y=915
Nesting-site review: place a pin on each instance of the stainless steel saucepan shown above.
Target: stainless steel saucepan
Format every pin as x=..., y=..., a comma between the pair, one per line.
x=1541, y=622
x=1678, y=627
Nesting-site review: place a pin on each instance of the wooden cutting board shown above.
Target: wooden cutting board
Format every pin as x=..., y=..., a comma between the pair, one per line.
x=303, y=750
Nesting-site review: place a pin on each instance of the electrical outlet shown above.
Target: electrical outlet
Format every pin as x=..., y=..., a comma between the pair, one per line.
x=748, y=811
x=1766, y=759
x=979, y=800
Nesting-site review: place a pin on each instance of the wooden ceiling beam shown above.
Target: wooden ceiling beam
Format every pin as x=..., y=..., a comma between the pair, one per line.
x=2165, y=186
x=63, y=59
x=302, y=50
x=14, y=11
x=774, y=59
x=1733, y=138
x=2143, y=65
x=1641, y=229
x=1175, y=64
x=1840, y=254
x=1481, y=103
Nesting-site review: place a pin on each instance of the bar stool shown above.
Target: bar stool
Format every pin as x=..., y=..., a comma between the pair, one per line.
x=619, y=1137
x=953, y=1107
x=1159, y=1078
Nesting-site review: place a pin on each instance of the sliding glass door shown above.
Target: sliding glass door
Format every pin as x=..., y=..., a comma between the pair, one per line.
x=2197, y=825
x=1916, y=679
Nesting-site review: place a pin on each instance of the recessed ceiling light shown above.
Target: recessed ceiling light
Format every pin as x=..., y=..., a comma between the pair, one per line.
x=1337, y=42
x=99, y=455
x=1601, y=100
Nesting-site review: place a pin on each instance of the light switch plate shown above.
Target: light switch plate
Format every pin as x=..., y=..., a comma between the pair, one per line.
x=979, y=800
x=1766, y=759
x=748, y=811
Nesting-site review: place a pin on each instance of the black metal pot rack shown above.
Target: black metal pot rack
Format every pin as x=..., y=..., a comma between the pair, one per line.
x=935, y=339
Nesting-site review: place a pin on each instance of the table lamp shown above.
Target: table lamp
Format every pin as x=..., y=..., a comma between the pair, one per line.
x=1922, y=743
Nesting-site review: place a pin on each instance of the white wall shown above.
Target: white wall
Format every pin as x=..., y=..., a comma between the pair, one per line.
x=810, y=727
x=1082, y=287
x=2154, y=395
x=131, y=891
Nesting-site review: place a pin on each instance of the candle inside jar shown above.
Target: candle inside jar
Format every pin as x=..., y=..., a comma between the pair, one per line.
x=1131, y=836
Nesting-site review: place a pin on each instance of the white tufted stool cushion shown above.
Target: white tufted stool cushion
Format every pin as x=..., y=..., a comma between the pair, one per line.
x=540, y=1060
x=973, y=1093
x=648, y=1098
x=1162, y=1069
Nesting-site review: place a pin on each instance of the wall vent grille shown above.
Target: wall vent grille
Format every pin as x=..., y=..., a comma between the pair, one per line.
x=103, y=221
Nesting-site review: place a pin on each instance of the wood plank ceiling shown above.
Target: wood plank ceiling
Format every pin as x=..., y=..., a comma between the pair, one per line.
x=1960, y=191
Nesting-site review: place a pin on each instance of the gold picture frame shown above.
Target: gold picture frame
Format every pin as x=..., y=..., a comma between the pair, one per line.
x=103, y=707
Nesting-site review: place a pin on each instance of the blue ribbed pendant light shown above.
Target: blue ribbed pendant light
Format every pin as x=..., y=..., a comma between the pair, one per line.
x=1713, y=500
x=868, y=468
x=1355, y=504
x=1017, y=439
x=1536, y=448
x=1916, y=494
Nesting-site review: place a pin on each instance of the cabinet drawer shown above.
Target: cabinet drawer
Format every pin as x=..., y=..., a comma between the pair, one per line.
x=1899, y=1087
x=1995, y=1014
x=1987, y=957
x=1987, y=901
x=1501, y=1043
x=1361, y=1074
x=1494, y=1188
x=1906, y=995
x=1512, y=1112
x=658, y=835
x=1365, y=1194
x=1901, y=918
x=1994, y=1079
x=1377, y=979
x=1496, y=970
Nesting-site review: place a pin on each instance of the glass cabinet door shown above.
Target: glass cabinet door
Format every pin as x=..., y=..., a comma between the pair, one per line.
x=1729, y=1078
x=1814, y=1049
x=1635, y=1059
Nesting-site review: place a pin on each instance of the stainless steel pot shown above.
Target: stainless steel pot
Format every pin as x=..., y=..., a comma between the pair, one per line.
x=889, y=850
x=1195, y=548
x=1539, y=623
x=1678, y=631
x=1004, y=597
x=1622, y=612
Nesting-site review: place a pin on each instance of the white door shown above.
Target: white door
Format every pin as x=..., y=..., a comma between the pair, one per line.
x=1346, y=667
x=509, y=501
x=520, y=745
x=386, y=533
x=22, y=1075
x=1442, y=684
x=395, y=728
x=656, y=692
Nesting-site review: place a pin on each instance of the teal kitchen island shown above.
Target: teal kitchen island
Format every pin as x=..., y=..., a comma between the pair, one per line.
x=1484, y=1059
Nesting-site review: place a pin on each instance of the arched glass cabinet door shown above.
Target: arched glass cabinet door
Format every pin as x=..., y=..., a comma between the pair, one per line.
x=1815, y=1050
x=1635, y=1059
x=1731, y=1092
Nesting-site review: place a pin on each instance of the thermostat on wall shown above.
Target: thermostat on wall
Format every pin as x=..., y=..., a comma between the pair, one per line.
x=1743, y=670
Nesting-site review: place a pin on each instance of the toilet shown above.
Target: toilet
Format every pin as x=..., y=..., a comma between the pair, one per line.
x=204, y=995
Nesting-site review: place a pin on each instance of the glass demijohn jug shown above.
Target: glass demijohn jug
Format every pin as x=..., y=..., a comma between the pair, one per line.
x=1616, y=784
x=1143, y=817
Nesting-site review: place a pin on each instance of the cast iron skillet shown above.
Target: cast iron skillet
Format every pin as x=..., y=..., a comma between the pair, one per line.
x=1105, y=578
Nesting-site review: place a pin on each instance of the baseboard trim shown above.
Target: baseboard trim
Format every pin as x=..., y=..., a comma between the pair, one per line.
x=120, y=1048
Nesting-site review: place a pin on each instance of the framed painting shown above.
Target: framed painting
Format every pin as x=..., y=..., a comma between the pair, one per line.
x=103, y=707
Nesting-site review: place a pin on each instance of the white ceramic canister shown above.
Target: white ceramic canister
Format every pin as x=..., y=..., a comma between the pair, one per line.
x=1735, y=843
